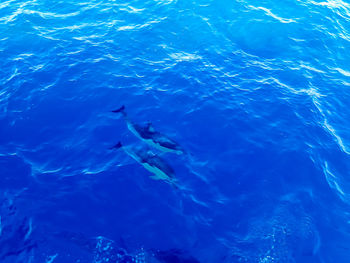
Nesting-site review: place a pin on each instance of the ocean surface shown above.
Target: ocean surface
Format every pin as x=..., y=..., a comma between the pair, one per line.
x=256, y=93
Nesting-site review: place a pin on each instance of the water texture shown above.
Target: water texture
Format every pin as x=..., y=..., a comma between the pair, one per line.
x=256, y=92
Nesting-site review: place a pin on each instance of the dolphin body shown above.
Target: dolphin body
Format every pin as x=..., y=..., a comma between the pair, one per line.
x=151, y=162
x=150, y=136
x=108, y=250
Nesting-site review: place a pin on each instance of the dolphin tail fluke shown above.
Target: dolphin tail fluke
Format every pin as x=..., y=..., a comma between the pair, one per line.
x=117, y=146
x=120, y=110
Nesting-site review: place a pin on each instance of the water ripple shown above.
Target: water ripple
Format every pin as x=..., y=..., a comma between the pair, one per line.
x=256, y=91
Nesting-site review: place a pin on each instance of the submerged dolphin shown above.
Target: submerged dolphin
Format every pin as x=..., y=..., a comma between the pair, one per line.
x=150, y=136
x=151, y=162
x=108, y=250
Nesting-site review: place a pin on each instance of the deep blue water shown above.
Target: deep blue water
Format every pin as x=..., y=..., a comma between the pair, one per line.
x=257, y=93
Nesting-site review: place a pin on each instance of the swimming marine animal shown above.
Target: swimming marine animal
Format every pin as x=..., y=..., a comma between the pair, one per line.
x=150, y=136
x=151, y=162
x=174, y=256
x=116, y=251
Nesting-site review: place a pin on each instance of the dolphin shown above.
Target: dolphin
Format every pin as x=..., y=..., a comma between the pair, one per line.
x=108, y=250
x=149, y=135
x=151, y=162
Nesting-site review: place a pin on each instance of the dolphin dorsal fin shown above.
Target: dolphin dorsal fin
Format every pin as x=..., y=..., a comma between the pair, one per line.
x=150, y=127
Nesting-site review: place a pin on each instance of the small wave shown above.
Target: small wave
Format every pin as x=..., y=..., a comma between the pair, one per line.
x=269, y=13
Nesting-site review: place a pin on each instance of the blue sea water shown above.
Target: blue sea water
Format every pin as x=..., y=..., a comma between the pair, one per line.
x=257, y=93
